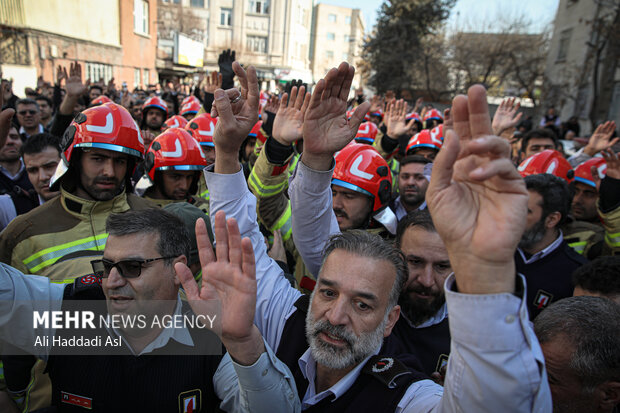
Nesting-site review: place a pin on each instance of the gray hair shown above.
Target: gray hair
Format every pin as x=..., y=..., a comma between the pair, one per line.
x=369, y=245
x=592, y=326
x=173, y=236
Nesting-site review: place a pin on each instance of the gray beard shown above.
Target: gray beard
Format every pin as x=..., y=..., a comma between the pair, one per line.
x=337, y=358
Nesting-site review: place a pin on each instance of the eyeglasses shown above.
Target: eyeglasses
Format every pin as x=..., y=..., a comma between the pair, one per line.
x=29, y=112
x=126, y=268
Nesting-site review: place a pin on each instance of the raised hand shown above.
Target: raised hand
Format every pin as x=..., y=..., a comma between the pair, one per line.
x=326, y=129
x=231, y=278
x=376, y=103
x=395, y=119
x=213, y=82
x=225, y=61
x=74, y=85
x=61, y=74
x=477, y=199
x=613, y=163
x=288, y=125
x=235, y=119
x=111, y=88
x=506, y=116
x=5, y=116
x=601, y=139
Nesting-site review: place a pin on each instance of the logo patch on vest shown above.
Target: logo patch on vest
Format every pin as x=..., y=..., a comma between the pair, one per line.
x=190, y=401
x=442, y=362
x=76, y=400
x=382, y=365
x=543, y=299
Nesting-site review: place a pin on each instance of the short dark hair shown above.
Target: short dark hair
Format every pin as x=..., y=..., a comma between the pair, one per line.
x=601, y=275
x=37, y=143
x=418, y=218
x=173, y=236
x=45, y=98
x=369, y=245
x=538, y=133
x=95, y=87
x=592, y=326
x=27, y=101
x=414, y=159
x=554, y=192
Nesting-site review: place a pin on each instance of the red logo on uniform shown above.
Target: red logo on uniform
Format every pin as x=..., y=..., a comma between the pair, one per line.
x=542, y=299
x=76, y=400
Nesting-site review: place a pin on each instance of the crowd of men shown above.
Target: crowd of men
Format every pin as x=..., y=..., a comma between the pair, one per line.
x=376, y=255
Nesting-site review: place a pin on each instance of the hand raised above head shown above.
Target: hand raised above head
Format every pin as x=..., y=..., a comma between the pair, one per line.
x=477, y=199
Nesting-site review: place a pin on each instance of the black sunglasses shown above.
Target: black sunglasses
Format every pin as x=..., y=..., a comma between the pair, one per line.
x=126, y=268
x=31, y=112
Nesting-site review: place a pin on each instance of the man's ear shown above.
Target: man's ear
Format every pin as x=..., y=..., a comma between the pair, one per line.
x=610, y=395
x=393, y=316
x=182, y=259
x=553, y=219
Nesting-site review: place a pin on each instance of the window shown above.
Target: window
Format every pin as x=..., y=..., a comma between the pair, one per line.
x=347, y=38
x=226, y=17
x=258, y=6
x=136, y=77
x=331, y=36
x=564, y=43
x=347, y=19
x=197, y=3
x=331, y=18
x=146, y=77
x=96, y=71
x=172, y=1
x=141, y=16
x=345, y=56
x=257, y=44
x=329, y=54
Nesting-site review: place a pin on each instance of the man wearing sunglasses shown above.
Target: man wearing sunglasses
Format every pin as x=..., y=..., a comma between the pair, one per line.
x=155, y=369
x=29, y=118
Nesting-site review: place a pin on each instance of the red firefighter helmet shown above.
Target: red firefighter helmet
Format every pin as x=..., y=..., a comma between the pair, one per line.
x=190, y=108
x=257, y=133
x=202, y=128
x=583, y=171
x=426, y=139
x=378, y=113
x=176, y=121
x=100, y=100
x=190, y=98
x=175, y=149
x=155, y=102
x=433, y=114
x=108, y=126
x=360, y=168
x=415, y=117
x=547, y=162
x=366, y=133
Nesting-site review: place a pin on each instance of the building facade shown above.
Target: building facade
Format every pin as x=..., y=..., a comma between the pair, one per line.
x=111, y=39
x=582, y=77
x=272, y=35
x=337, y=36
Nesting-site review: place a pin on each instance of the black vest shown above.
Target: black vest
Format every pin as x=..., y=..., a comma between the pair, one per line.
x=21, y=191
x=431, y=345
x=550, y=278
x=125, y=383
x=378, y=391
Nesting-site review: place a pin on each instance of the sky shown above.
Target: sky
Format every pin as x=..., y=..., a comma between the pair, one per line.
x=470, y=12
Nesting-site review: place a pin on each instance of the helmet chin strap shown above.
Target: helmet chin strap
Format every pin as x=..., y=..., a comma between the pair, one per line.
x=388, y=219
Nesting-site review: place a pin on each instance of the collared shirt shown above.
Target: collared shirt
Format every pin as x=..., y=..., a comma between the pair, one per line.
x=401, y=211
x=181, y=335
x=8, y=174
x=266, y=386
x=494, y=349
x=543, y=253
x=22, y=131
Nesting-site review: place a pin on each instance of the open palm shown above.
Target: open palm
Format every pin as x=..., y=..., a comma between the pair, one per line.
x=289, y=121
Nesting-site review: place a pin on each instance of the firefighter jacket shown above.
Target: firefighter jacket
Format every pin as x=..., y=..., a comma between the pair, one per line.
x=60, y=238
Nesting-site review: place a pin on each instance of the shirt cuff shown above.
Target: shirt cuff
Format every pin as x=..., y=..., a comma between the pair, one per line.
x=261, y=375
x=225, y=187
x=486, y=321
x=312, y=181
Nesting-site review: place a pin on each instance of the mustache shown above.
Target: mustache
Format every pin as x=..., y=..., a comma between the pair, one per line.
x=420, y=289
x=340, y=332
x=340, y=212
x=105, y=180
